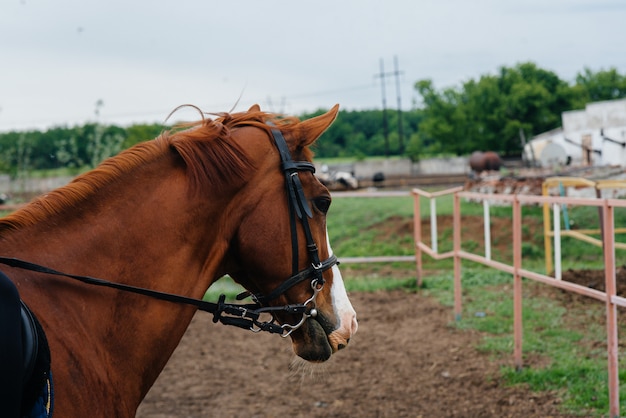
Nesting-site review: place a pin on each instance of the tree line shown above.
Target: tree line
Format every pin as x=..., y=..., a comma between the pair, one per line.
x=491, y=112
x=73, y=148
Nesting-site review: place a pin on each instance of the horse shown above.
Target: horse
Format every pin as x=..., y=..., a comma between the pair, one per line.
x=114, y=265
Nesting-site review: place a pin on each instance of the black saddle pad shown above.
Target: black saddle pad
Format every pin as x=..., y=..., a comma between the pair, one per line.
x=37, y=391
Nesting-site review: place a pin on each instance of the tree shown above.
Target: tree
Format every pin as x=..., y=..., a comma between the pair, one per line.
x=442, y=116
x=141, y=132
x=488, y=113
x=602, y=85
x=360, y=133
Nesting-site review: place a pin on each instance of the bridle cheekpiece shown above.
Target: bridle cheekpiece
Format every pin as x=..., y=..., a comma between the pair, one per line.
x=299, y=209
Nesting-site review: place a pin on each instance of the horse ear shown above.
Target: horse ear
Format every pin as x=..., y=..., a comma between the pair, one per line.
x=254, y=108
x=313, y=128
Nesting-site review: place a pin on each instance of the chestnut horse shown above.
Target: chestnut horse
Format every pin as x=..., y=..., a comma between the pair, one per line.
x=173, y=215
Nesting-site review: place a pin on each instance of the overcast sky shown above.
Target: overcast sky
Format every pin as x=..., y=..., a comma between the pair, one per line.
x=142, y=58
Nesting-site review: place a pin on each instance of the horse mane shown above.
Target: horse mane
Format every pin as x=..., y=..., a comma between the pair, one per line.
x=212, y=161
x=219, y=160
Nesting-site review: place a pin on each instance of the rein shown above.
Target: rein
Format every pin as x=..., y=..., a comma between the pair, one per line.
x=246, y=316
x=243, y=316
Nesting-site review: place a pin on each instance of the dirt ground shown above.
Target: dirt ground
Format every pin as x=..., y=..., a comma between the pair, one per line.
x=406, y=360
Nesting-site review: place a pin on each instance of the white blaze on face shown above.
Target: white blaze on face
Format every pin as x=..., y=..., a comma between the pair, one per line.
x=341, y=304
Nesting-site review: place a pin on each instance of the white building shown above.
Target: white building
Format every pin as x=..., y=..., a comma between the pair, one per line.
x=593, y=136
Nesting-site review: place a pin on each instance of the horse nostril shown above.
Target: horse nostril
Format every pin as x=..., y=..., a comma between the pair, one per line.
x=354, y=325
x=341, y=346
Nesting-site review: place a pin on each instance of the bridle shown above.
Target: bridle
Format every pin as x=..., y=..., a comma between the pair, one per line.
x=299, y=208
x=247, y=316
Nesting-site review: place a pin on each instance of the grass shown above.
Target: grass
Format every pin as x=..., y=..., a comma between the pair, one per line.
x=574, y=356
x=572, y=359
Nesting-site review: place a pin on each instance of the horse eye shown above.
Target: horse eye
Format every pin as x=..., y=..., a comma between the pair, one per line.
x=322, y=204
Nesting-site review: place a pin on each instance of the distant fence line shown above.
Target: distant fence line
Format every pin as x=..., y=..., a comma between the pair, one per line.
x=391, y=168
x=31, y=185
x=403, y=167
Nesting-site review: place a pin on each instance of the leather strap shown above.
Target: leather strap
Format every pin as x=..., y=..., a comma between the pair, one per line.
x=246, y=316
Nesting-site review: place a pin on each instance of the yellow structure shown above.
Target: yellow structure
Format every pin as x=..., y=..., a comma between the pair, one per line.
x=581, y=234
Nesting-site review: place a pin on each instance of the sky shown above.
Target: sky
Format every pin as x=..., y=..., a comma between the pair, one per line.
x=69, y=62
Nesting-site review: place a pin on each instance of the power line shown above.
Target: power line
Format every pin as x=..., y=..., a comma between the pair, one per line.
x=156, y=114
x=334, y=91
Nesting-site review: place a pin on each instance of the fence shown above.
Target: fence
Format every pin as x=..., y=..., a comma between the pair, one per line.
x=612, y=301
x=375, y=259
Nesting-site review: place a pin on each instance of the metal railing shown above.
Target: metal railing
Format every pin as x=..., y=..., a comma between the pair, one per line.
x=609, y=297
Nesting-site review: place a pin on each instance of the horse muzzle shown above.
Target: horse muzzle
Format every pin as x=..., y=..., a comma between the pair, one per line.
x=318, y=337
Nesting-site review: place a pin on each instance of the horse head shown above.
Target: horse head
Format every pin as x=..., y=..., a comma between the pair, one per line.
x=281, y=236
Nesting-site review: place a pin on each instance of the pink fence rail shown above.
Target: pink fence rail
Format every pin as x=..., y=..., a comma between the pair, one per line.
x=375, y=259
x=609, y=297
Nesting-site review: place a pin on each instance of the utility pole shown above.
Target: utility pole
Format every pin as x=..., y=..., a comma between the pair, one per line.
x=396, y=73
x=382, y=76
x=280, y=109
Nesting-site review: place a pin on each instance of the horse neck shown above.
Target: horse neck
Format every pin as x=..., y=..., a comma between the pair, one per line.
x=140, y=233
